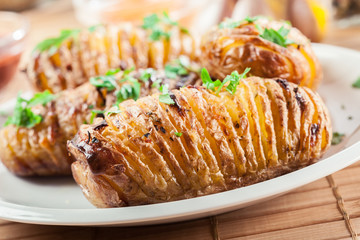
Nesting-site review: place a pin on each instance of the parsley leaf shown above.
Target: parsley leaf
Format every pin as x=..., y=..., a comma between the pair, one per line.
x=165, y=96
x=178, y=134
x=157, y=26
x=94, y=27
x=207, y=81
x=41, y=98
x=96, y=113
x=178, y=67
x=337, y=138
x=111, y=112
x=23, y=116
x=166, y=19
x=228, y=23
x=128, y=91
x=107, y=82
x=233, y=80
x=251, y=19
x=279, y=37
x=156, y=83
x=52, y=44
x=356, y=84
x=147, y=74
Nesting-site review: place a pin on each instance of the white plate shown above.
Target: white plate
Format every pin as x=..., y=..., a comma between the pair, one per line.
x=59, y=201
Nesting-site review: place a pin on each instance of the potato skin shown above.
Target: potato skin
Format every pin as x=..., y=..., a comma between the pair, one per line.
x=269, y=127
x=41, y=150
x=228, y=49
x=93, y=53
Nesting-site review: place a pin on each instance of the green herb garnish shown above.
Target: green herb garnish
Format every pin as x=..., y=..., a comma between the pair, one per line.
x=228, y=23
x=178, y=134
x=94, y=27
x=52, y=44
x=207, y=81
x=23, y=116
x=156, y=24
x=156, y=83
x=147, y=74
x=337, y=138
x=108, y=81
x=233, y=79
x=165, y=96
x=178, y=67
x=356, y=84
x=276, y=36
x=95, y=113
x=113, y=112
x=128, y=91
x=251, y=19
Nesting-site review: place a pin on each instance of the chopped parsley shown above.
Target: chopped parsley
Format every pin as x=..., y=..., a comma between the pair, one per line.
x=111, y=112
x=23, y=116
x=337, y=138
x=229, y=23
x=178, y=134
x=108, y=81
x=94, y=27
x=178, y=67
x=96, y=113
x=155, y=24
x=251, y=19
x=207, y=81
x=52, y=44
x=127, y=91
x=165, y=96
x=276, y=36
x=233, y=81
x=147, y=74
x=356, y=84
x=156, y=83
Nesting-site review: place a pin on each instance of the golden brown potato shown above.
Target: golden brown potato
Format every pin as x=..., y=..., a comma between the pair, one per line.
x=154, y=152
x=227, y=48
x=41, y=150
x=85, y=54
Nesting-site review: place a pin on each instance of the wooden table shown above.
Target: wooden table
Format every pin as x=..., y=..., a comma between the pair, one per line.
x=326, y=209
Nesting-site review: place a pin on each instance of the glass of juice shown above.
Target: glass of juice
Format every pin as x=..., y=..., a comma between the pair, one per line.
x=13, y=31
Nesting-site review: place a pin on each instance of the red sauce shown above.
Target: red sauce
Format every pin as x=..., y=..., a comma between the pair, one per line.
x=8, y=66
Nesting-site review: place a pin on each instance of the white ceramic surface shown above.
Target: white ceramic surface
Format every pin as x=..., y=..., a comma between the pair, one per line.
x=59, y=201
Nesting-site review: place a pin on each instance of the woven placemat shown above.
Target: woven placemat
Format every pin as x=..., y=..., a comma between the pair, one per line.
x=326, y=209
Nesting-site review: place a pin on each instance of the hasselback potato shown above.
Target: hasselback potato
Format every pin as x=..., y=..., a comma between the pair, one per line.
x=271, y=49
x=200, y=144
x=70, y=59
x=41, y=149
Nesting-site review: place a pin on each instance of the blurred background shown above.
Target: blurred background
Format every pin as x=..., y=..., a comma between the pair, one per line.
x=329, y=21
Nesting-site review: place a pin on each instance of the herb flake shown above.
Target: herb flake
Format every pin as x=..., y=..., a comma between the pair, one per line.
x=178, y=134
x=165, y=96
x=337, y=138
x=52, y=44
x=276, y=36
x=23, y=116
x=356, y=84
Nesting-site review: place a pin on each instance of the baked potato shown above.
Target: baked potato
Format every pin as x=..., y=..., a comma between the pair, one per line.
x=73, y=57
x=201, y=143
x=272, y=49
x=41, y=149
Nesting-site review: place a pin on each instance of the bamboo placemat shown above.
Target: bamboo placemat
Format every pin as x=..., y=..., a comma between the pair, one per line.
x=326, y=209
